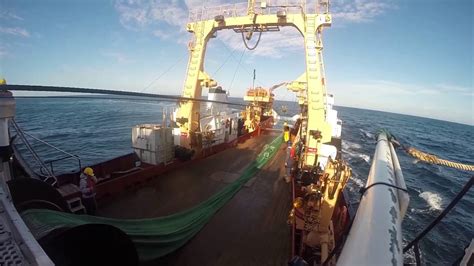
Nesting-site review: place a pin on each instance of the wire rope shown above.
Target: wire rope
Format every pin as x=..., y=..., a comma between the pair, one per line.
x=246, y=70
x=164, y=72
x=225, y=61
x=236, y=69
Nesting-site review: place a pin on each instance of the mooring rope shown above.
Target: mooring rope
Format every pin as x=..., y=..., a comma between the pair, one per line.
x=429, y=158
x=433, y=159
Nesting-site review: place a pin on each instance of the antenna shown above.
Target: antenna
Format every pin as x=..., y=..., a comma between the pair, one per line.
x=253, y=82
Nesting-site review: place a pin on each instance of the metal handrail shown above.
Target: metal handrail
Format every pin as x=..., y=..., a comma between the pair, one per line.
x=38, y=160
x=43, y=164
x=50, y=162
x=50, y=145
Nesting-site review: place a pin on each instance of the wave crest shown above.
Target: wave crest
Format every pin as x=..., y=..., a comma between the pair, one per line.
x=347, y=145
x=367, y=134
x=434, y=200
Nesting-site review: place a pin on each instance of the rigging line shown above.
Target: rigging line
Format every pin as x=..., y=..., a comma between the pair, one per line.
x=236, y=69
x=246, y=70
x=164, y=72
x=225, y=61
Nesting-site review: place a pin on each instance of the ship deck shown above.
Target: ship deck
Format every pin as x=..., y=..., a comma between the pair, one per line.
x=249, y=230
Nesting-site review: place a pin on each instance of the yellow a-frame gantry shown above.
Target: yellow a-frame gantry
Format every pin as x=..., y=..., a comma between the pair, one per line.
x=207, y=21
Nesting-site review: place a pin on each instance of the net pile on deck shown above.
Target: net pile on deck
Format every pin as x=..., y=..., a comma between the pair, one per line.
x=155, y=237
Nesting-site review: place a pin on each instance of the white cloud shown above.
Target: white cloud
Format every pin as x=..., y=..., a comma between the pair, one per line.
x=131, y=17
x=166, y=19
x=397, y=88
x=359, y=10
x=162, y=34
x=272, y=44
x=435, y=101
x=138, y=14
x=15, y=31
x=7, y=15
x=3, y=52
x=445, y=88
x=119, y=57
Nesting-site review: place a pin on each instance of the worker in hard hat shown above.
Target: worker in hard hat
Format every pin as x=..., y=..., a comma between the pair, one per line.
x=87, y=186
x=287, y=140
x=286, y=132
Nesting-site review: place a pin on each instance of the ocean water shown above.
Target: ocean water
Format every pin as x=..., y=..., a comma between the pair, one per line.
x=100, y=129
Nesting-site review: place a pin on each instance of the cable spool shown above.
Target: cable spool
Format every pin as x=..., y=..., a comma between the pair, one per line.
x=29, y=193
x=90, y=244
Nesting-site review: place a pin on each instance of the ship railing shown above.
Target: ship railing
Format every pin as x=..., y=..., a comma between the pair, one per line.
x=66, y=156
x=259, y=8
x=46, y=167
x=208, y=13
x=48, y=175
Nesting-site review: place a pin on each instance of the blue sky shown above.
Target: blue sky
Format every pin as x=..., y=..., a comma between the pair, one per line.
x=412, y=57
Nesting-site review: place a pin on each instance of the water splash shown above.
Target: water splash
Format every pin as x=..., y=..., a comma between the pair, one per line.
x=367, y=134
x=355, y=155
x=434, y=200
x=358, y=181
x=347, y=145
x=365, y=157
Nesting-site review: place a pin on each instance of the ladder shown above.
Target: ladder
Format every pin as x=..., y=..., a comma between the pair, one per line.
x=76, y=206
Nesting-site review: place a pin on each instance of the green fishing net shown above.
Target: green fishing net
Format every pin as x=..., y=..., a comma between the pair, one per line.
x=155, y=237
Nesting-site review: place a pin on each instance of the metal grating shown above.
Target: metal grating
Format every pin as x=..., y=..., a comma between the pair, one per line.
x=9, y=251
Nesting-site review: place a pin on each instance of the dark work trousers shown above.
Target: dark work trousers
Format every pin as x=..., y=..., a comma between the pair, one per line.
x=90, y=204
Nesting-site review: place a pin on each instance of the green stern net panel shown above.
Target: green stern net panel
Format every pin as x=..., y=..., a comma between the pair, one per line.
x=155, y=237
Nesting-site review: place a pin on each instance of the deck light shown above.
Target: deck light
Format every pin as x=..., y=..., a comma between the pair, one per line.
x=219, y=18
x=281, y=14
